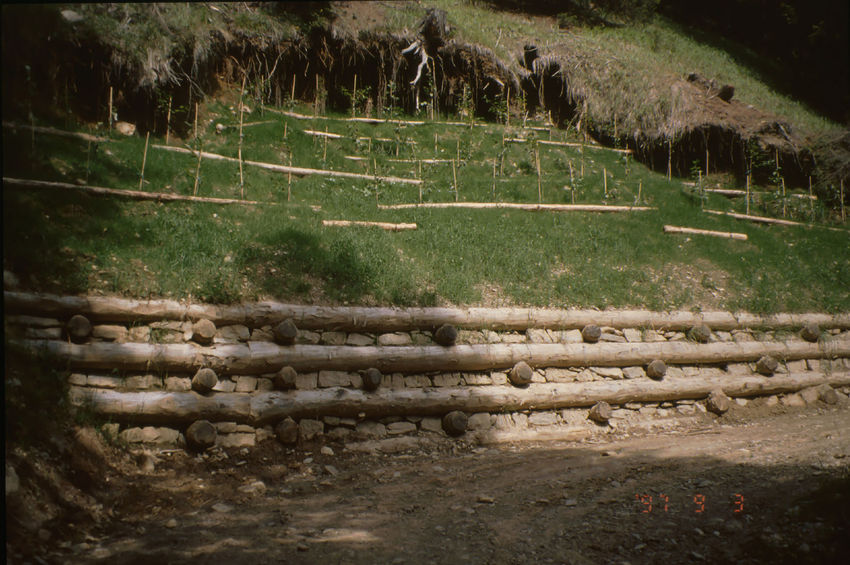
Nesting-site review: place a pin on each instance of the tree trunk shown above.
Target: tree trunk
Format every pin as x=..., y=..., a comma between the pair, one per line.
x=367, y=319
x=264, y=357
x=269, y=407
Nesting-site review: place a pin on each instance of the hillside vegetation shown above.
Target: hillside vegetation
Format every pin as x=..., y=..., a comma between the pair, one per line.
x=622, y=90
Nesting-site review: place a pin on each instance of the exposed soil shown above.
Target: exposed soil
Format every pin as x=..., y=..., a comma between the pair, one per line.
x=736, y=489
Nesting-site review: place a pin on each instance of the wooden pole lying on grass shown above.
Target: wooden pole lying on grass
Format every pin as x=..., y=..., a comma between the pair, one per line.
x=267, y=357
x=106, y=309
x=324, y=134
x=764, y=220
x=57, y=132
x=300, y=171
x=520, y=206
x=144, y=160
x=132, y=194
x=383, y=225
x=726, y=234
x=269, y=407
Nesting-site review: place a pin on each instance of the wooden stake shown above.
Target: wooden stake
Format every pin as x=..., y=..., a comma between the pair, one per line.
x=605, y=181
x=843, y=215
x=669, y=160
x=168, y=121
x=454, y=176
x=640, y=189
x=539, y=180
x=811, y=201
x=748, y=195
x=458, y=149
x=435, y=145
x=706, y=161
x=198, y=171
x=316, y=98
x=292, y=95
x=195, y=129
x=285, y=125
x=325, y=149
x=289, y=178
x=109, y=120
x=494, y=179
x=783, y=196
x=572, y=185
x=354, y=98
x=144, y=160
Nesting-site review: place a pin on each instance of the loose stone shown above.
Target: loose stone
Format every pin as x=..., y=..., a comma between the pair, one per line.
x=717, y=402
x=810, y=332
x=372, y=378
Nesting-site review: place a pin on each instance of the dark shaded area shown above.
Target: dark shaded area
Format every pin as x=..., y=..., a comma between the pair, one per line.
x=802, y=44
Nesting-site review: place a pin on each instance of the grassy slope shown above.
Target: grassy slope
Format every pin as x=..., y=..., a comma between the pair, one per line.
x=64, y=242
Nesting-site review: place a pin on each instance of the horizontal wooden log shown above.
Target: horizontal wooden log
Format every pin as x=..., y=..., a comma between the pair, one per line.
x=765, y=220
x=733, y=192
x=122, y=193
x=266, y=357
x=298, y=171
x=57, y=132
x=520, y=206
x=268, y=407
x=383, y=225
x=695, y=231
x=357, y=318
x=567, y=144
x=323, y=134
x=298, y=116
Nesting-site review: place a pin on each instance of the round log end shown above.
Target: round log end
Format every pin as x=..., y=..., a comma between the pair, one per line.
x=700, y=333
x=203, y=332
x=600, y=413
x=285, y=379
x=287, y=431
x=201, y=435
x=372, y=378
x=285, y=332
x=591, y=333
x=767, y=365
x=78, y=328
x=521, y=374
x=446, y=335
x=810, y=332
x=717, y=402
x=204, y=381
x=455, y=422
x=656, y=369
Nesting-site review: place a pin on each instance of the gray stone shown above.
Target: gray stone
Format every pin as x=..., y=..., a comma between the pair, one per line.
x=767, y=365
x=262, y=334
x=308, y=337
x=225, y=385
x=419, y=338
x=397, y=338
x=652, y=336
x=810, y=394
x=359, y=340
x=226, y=427
x=536, y=335
x=558, y=375
x=246, y=384
x=700, y=333
x=237, y=440
x=287, y=431
x=571, y=336
x=285, y=332
x=416, y=381
x=431, y=425
x=333, y=338
x=723, y=336
x=810, y=332
x=142, y=382
x=543, y=419
x=307, y=381
x=717, y=402
x=333, y=378
x=797, y=366
x=178, y=384
x=446, y=335
x=233, y=333
x=310, y=429
x=476, y=379
x=447, y=379
x=656, y=369
x=479, y=421
x=586, y=376
x=371, y=430
x=139, y=334
x=742, y=336
x=371, y=378
x=455, y=423
x=285, y=379
x=612, y=338
x=591, y=333
x=632, y=335
x=521, y=374
x=600, y=413
x=615, y=373
x=513, y=337
x=117, y=334
x=78, y=328
x=793, y=401
x=827, y=394
x=203, y=332
x=43, y=333
x=633, y=372
x=204, y=380
x=77, y=379
x=399, y=428
x=201, y=435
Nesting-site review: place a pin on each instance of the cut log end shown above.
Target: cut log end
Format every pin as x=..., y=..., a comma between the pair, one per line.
x=455, y=423
x=285, y=332
x=287, y=431
x=600, y=412
x=204, y=381
x=371, y=378
x=521, y=374
x=656, y=369
x=285, y=379
x=79, y=328
x=201, y=435
x=446, y=335
x=203, y=332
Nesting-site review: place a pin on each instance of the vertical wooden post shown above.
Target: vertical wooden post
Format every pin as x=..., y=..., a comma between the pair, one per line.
x=783, y=196
x=748, y=194
x=285, y=126
x=325, y=147
x=458, y=149
x=454, y=176
x=539, y=180
x=811, y=201
x=700, y=190
x=508, y=108
x=841, y=195
x=292, y=94
x=197, y=171
x=605, y=181
x=640, y=189
x=316, y=98
x=669, y=160
x=494, y=180
x=144, y=160
x=420, y=178
x=289, y=179
x=109, y=119
x=195, y=129
x=354, y=97
x=168, y=121
x=706, y=160
x=435, y=145
x=241, y=115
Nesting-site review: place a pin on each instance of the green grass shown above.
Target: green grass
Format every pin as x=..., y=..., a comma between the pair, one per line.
x=62, y=241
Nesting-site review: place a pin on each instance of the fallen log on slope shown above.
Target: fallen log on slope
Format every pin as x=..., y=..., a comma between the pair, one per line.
x=266, y=357
x=766, y=220
x=57, y=132
x=268, y=407
x=298, y=171
x=520, y=206
x=131, y=194
x=383, y=225
x=695, y=231
x=357, y=318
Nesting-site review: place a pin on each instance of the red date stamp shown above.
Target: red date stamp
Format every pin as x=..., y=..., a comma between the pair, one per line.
x=648, y=503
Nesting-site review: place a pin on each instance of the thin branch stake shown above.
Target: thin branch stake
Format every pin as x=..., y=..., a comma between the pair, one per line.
x=198, y=171
x=168, y=122
x=811, y=201
x=109, y=119
x=539, y=180
x=144, y=160
x=454, y=176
